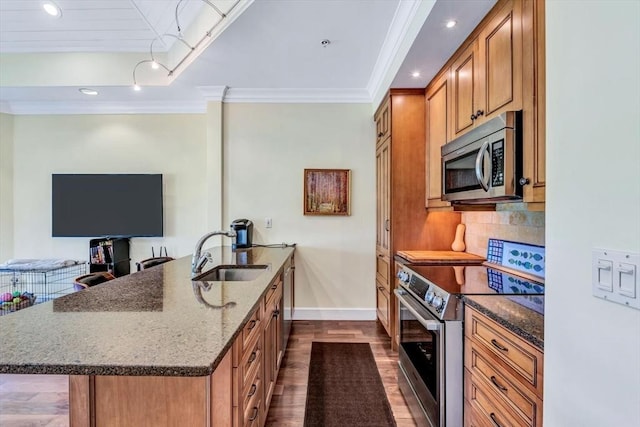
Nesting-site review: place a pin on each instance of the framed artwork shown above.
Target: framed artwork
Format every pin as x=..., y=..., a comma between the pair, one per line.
x=327, y=192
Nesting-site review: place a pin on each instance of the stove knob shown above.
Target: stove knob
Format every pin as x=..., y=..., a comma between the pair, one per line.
x=438, y=303
x=429, y=297
x=404, y=276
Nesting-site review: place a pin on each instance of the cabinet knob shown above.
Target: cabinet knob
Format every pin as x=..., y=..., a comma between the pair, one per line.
x=380, y=134
x=523, y=181
x=479, y=113
x=473, y=117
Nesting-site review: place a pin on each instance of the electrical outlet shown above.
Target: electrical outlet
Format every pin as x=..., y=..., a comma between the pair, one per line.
x=267, y=222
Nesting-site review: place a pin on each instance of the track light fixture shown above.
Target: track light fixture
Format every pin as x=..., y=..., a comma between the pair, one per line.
x=191, y=48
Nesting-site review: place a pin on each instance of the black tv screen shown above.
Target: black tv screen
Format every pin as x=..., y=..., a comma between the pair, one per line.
x=109, y=205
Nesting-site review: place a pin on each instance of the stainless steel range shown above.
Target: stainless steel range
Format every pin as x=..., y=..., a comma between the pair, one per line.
x=431, y=354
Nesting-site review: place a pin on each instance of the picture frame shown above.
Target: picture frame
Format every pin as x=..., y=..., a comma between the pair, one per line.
x=327, y=192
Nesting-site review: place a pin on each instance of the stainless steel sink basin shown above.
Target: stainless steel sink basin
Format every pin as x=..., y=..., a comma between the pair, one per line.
x=232, y=273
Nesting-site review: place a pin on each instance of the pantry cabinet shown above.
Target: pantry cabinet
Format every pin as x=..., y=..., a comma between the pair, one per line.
x=400, y=189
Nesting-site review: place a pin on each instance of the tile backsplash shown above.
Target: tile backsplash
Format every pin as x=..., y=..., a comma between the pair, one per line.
x=518, y=226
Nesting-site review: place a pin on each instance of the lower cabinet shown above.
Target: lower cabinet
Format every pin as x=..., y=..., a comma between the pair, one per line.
x=503, y=375
x=236, y=394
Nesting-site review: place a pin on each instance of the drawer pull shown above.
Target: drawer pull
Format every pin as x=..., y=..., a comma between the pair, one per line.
x=255, y=414
x=274, y=286
x=495, y=421
x=497, y=345
x=252, y=391
x=497, y=384
x=276, y=313
x=252, y=324
x=252, y=357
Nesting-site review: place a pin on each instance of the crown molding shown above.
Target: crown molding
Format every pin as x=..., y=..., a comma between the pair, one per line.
x=302, y=96
x=405, y=25
x=213, y=93
x=156, y=107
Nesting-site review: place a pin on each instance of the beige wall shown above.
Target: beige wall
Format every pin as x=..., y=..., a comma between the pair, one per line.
x=519, y=226
x=592, y=346
x=267, y=148
x=173, y=145
x=6, y=187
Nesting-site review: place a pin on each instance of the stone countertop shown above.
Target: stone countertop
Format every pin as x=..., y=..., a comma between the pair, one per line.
x=152, y=322
x=522, y=321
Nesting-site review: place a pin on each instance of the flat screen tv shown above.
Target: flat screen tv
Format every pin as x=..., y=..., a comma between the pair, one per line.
x=106, y=205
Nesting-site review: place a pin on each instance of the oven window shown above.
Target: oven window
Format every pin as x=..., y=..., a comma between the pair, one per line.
x=460, y=173
x=420, y=346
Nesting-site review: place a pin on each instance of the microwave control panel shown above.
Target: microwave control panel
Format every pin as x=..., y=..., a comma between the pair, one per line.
x=497, y=163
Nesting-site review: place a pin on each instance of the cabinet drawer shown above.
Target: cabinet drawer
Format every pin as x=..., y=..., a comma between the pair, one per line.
x=250, y=363
x=523, y=359
x=382, y=269
x=487, y=405
x=251, y=329
x=252, y=416
x=273, y=288
x=251, y=395
x=472, y=418
x=482, y=365
x=383, y=307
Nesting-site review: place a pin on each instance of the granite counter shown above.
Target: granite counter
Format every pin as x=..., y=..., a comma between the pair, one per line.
x=524, y=322
x=156, y=322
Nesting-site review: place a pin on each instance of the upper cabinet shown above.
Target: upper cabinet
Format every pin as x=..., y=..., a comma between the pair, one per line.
x=487, y=75
x=437, y=104
x=500, y=67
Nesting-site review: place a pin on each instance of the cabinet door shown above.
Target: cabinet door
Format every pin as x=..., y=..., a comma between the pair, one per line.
x=500, y=53
x=383, y=306
x=383, y=121
x=466, y=90
x=383, y=197
x=437, y=114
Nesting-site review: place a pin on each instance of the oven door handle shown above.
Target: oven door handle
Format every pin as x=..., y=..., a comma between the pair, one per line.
x=479, y=165
x=431, y=325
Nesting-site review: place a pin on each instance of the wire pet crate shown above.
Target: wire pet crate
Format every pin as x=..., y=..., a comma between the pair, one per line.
x=44, y=280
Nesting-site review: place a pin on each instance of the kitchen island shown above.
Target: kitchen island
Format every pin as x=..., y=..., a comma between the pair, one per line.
x=155, y=348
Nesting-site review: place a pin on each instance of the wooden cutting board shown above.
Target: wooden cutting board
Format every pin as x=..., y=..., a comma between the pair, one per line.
x=440, y=257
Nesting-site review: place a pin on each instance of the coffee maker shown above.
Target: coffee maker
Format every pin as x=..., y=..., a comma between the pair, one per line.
x=244, y=233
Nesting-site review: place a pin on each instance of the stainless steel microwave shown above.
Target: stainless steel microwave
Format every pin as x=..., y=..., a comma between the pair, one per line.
x=485, y=164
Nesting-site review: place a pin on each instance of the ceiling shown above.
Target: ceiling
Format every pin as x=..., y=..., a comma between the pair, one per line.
x=261, y=50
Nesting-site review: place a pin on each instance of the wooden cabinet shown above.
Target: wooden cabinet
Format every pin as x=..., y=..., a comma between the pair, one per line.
x=487, y=74
x=503, y=375
x=400, y=188
x=466, y=90
x=500, y=67
x=273, y=339
x=437, y=110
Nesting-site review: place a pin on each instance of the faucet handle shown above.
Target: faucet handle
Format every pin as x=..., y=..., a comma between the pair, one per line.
x=203, y=260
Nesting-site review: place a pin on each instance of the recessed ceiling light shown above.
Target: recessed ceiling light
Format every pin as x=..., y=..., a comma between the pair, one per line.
x=451, y=23
x=154, y=65
x=87, y=91
x=52, y=9
x=137, y=87
x=415, y=74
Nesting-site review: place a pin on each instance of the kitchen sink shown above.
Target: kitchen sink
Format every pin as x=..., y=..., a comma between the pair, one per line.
x=232, y=273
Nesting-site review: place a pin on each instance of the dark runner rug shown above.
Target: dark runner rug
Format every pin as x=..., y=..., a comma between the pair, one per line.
x=345, y=388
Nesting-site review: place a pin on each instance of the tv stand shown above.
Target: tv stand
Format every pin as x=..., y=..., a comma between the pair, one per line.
x=109, y=254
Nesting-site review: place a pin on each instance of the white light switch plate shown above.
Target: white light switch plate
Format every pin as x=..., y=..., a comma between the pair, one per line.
x=615, y=276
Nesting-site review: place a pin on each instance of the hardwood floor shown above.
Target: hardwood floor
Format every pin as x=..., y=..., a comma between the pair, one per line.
x=42, y=400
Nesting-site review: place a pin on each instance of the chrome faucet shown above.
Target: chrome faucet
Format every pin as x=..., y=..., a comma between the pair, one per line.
x=199, y=259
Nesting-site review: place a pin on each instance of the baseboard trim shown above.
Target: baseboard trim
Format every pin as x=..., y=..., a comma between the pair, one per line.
x=306, y=313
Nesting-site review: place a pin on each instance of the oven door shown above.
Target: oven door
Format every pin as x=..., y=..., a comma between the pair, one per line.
x=421, y=360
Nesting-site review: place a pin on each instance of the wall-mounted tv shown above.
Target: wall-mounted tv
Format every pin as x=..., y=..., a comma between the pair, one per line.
x=110, y=205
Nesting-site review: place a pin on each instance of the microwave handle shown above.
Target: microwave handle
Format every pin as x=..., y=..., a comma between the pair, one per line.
x=479, y=169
